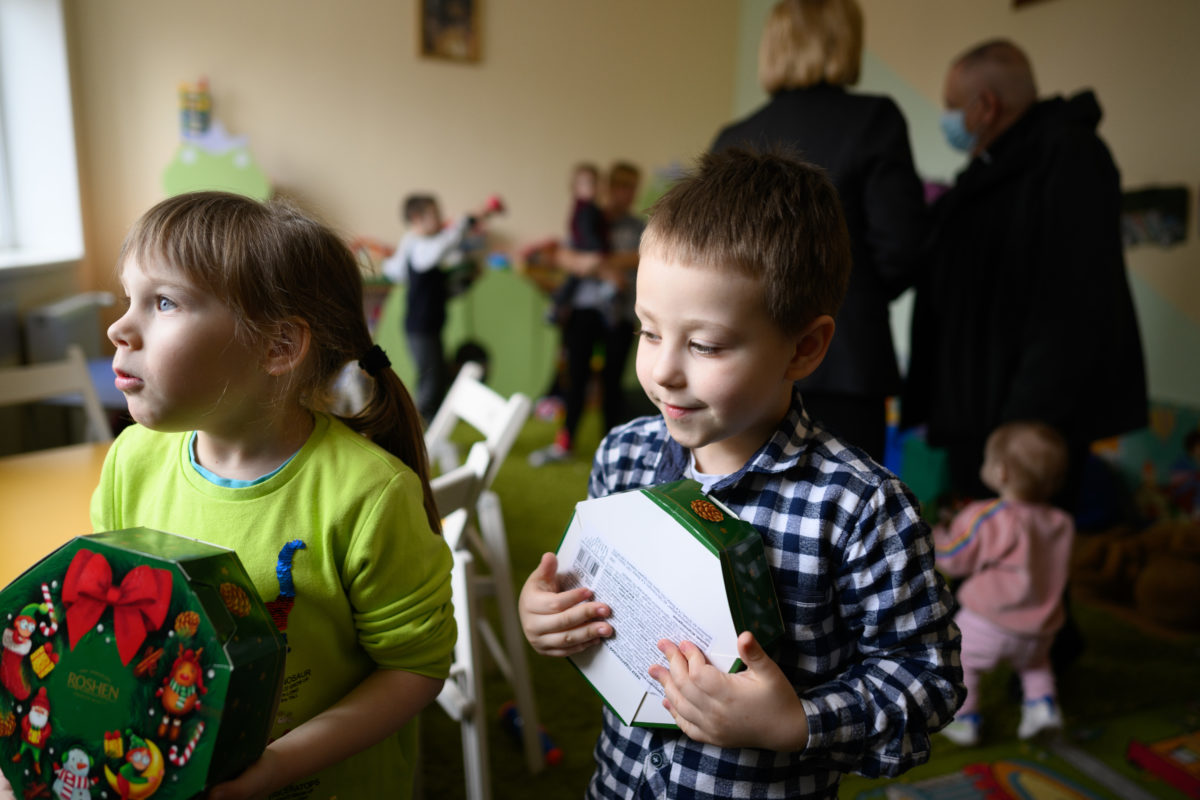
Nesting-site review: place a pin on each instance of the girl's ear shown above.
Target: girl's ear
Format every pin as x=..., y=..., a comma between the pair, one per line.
x=812, y=343
x=289, y=348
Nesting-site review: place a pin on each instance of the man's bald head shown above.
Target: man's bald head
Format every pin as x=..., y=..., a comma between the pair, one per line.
x=993, y=84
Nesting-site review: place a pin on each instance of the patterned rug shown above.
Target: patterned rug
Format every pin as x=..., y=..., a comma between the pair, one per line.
x=1144, y=756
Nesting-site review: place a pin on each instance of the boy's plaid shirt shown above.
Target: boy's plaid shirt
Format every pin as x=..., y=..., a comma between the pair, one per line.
x=871, y=647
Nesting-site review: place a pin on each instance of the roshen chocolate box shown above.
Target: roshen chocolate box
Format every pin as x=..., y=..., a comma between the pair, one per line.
x=135, y=663
x=673, y=564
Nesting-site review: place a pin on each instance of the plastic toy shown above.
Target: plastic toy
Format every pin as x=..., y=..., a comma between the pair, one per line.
x=510, y=720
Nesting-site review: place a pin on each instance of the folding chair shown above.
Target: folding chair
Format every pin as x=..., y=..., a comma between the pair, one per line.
x=474, y=528
x=51, y=379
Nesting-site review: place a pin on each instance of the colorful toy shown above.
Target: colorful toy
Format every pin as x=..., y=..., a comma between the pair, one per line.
x=209, y=157
x=195, y=108
x=494, y=204
x=1175, y=760
x=510, y=720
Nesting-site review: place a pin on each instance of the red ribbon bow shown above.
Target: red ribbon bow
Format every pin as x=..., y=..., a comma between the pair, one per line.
x=139, y=604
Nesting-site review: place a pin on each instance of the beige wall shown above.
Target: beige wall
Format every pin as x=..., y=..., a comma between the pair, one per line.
x=341, y=112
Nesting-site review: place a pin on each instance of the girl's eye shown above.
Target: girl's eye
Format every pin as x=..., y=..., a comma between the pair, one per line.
x=703, y=349
x=164, y=303
x=649, y=336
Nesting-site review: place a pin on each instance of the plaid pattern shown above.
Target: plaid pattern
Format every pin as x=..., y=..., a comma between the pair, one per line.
x=873, y=651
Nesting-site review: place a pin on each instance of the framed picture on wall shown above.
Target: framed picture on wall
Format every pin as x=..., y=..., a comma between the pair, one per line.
x=449, y=29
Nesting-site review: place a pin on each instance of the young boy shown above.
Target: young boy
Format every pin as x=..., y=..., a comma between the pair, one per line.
x=1014, y=553
x=421, y=260
x=743, y=265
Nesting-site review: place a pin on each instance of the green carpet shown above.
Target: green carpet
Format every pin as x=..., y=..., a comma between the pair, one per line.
x=1127, y=684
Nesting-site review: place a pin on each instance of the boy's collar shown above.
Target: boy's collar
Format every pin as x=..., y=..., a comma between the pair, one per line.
x=778, y=454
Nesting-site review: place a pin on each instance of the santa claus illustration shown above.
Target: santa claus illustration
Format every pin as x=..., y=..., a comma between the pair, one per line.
x=35, y=729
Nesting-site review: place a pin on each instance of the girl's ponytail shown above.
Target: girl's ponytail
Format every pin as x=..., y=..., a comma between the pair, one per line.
x=390, y=420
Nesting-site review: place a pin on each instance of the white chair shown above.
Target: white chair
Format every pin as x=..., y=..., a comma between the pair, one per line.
x=474, y=528
x=52, y=379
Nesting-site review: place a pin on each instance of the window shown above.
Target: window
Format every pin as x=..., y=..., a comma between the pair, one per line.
x=39, y=186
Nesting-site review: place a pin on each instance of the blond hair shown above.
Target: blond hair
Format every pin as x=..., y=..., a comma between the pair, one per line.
x=271, y=265
x=806, y=42
x=1036, y=457
x=765, y=215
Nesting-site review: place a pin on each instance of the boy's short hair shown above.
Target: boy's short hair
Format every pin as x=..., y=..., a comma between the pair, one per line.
x=765, y=215
x=1036, y=456
x=624, y=171
x=417, y=204
x=1003, y=67
x=806, y=42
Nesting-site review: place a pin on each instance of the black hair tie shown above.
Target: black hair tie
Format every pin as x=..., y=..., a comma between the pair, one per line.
x=374, y=361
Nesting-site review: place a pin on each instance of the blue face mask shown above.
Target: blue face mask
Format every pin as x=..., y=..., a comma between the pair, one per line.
x=954, y=128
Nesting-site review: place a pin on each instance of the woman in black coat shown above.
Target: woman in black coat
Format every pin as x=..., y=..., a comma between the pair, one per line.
x=810, y=51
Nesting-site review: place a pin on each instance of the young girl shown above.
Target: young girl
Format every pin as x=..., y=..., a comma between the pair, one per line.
x=240, y=316
x=1014, y=553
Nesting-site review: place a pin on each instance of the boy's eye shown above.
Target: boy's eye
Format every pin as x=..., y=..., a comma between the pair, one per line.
x=649, y=336
x=703, y=349
x=164, y=303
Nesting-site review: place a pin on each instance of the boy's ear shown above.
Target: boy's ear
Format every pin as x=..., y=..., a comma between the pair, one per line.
x=812, y=343
x=289, y=348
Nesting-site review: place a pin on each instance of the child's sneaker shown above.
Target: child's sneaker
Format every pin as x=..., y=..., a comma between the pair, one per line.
x=559, y=451
x=552, y=454
x=1038, y=716
x=963, y=730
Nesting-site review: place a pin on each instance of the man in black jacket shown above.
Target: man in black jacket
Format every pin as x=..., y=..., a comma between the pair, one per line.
x=1023, y=310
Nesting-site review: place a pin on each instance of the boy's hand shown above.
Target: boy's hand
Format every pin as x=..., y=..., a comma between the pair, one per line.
x=753, y=708
x=560, y=623
x=6, y=792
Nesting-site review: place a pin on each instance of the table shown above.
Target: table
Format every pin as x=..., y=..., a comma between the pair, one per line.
x=44, y=499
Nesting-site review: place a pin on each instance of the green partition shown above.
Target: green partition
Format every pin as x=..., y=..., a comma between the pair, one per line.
x=502, y=311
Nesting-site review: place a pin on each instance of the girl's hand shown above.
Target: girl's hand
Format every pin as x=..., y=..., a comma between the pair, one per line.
x=6, y=792
x=753, y=708
x=255, y=783
x=560, y=623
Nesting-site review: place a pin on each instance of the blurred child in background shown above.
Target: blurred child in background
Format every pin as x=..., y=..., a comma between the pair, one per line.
x=1014, y=553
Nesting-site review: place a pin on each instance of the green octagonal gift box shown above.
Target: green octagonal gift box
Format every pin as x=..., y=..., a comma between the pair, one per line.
x=135, y=664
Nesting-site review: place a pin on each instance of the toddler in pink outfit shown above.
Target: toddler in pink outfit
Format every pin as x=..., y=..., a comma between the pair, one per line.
x=1014, y=552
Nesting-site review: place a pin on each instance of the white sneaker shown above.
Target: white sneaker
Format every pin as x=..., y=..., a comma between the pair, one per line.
x=552, y=454
x=1038, y=716
x=963, y=730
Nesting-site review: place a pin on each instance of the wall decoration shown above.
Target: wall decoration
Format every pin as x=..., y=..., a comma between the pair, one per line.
x=1154, y=215
x=208, y=157
x=449, y=29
